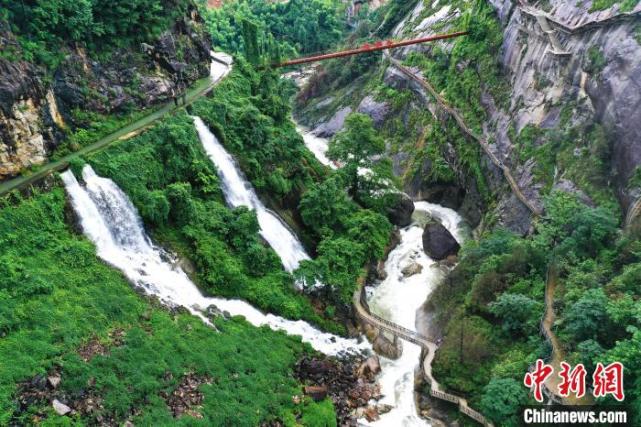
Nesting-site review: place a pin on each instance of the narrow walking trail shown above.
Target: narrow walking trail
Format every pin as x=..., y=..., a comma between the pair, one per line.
x=558, y=354
x=466, y=129
x=430, y=348
x=200, y=88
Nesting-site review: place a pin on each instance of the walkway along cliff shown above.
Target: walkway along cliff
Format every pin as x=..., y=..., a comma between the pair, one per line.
x=429, y=346
x=461, y=123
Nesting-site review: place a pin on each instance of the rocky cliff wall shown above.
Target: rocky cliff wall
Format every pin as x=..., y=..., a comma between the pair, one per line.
x=37, y=104
x=558, y=87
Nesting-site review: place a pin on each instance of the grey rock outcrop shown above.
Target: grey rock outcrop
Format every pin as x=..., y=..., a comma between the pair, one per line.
x=334, y=125
x=400, y=211
x=378, y=111
x=438, y=242
x=35, y=114
x=60, y=408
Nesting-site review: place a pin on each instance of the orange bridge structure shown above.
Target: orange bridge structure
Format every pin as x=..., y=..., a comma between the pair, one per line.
x=367, y=48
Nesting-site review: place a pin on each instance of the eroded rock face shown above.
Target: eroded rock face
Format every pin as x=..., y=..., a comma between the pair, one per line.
x=23, y=142
x=334, y=125
x=438, y=242
x=34, y=115
x=378, y=111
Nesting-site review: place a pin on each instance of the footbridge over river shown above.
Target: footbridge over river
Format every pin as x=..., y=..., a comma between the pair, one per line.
x=429, y=348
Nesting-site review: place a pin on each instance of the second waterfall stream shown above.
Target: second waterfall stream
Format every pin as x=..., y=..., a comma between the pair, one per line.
x=111, y=222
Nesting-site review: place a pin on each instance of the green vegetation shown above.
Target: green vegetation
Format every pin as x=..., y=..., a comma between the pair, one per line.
x=43, y=26
x=350, y=237
x=173, y=184
x=66, y=312
x=595, y=61
x=491, y=305
x=250, y=117
x=92, y=127
x=625, y=5
x=298, y=26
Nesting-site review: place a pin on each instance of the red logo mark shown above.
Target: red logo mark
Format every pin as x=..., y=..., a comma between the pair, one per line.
x=534, y=380
x=573, y=380
x=608, y=380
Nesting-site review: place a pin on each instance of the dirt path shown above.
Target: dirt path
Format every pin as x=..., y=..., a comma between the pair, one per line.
x=558, y=354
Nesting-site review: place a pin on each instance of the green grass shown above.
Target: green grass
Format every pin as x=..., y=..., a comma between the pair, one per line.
x=56, y=296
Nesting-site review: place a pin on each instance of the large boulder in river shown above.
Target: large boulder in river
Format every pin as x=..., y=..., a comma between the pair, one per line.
x=438, y=242
x=401, y=210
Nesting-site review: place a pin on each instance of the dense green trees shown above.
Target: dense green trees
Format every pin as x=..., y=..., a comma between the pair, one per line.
x=301, y=26
x=519, y=313
x=44, y=25
x=502, y=277
x=274, y=158
x=502, y=399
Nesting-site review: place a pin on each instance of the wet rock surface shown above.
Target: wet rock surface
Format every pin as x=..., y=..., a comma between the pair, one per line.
x=438, y=242
x=348, y=381
x=411, y=269
x=400, y=212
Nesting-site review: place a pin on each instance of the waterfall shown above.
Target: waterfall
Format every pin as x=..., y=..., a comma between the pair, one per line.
x=238, y=192
x=398, y=298
x=111, y=222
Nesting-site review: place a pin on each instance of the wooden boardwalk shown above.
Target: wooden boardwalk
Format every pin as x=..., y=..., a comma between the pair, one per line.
x=429, y=347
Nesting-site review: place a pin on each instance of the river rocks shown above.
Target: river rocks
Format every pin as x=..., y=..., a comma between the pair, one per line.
x=317, y=393
x=438, y=242
x=54, y=380
x=370, y=367
x=60, y=408
x=391, y=349
x=412, y=269
x=340, y=379
x=186, y=398
x=400, y=211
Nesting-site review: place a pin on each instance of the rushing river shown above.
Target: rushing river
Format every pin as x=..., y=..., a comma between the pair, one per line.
x=399, y=299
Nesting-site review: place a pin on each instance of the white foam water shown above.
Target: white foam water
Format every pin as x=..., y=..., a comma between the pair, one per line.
x=111, y=222
x=398, y=298
x=317, y=145
x=238, y=192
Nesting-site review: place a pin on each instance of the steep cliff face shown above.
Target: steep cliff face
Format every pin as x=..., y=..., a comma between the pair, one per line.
x=37, y=104
x=562, y=113
x=596, y=72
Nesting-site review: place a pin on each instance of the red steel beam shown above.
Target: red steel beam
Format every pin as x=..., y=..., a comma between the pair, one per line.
x=380, y=45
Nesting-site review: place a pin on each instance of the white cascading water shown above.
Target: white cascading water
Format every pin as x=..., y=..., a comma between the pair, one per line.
x=398, y=299
x=112, y=223
x=317, y=145
x=238, y=192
